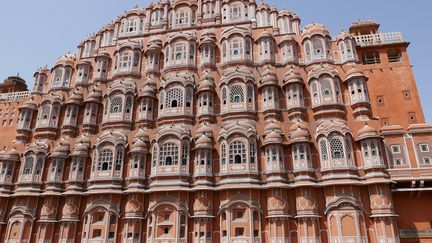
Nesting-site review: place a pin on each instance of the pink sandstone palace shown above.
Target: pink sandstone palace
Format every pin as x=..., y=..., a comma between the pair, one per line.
x=219, y=121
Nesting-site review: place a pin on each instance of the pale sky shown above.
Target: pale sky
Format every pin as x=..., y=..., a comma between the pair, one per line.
x=36, y=33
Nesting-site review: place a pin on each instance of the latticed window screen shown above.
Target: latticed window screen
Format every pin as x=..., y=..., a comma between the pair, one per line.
x=252, y=152
x=128, y=104
x=237, y=94
x=169, y=154
x=28, y=167
x=235, y=12
x=174, y=98
x=223, y=153
x=116, y=105
x=105, y=160
x=224, y=95
x=45, y=110
x=154, y=155
x=237, y=153
x=326, y=88
x=119, y=159
x=323, y=148
x=188, y=97
x=348, y=147
x=185, y=153
x=336, y=147
x=250, y=93
x=236, y=47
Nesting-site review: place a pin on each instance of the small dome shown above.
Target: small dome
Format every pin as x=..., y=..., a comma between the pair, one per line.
x=142, y=135
x=268, y=77
x=299, y=132
x=204, y=129
x=272, y=126
x=315, y=29
x=203, y=142
x=59, y=151
x=292, y=76
x=273, y=138
x=353, y=73
x=148, y=91
x=206, y=85
x=138, y=146
x=12, y=154
x=75, y=98
x=29, y=104
x=343, y=35
x=84, y=139
x=94, y=96
x=367, y=132
x=66, y=59
x=263, y=5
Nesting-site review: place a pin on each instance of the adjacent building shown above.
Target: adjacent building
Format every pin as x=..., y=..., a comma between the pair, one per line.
x=219, y=121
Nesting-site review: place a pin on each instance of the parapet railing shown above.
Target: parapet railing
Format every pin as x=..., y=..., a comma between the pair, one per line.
x=379, y=39
x=14, y=96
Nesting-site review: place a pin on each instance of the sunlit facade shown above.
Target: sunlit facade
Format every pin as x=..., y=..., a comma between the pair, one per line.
x=219, y=121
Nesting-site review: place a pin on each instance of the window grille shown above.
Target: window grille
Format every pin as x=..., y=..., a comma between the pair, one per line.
x=169, y=154
x=237, y=153
x=323, y=148
x=116, y=105
x=174, y=98
x=336, y=148
x=105, y=160
x=237, y=94
x=28, y=167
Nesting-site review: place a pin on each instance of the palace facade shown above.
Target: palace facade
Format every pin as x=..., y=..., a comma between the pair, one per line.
x=219, y=121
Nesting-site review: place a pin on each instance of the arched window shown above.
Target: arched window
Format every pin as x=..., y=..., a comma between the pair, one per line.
x=235, y=11
x=237, y=94
x=105, y=160
x=125, y=61
x=237, y=152
x=169, y=154
x=236, y=48
x=116, y=105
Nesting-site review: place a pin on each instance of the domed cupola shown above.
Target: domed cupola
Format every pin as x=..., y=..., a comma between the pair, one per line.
x=9, y=159
x=92, y=103
x=153, y=55
x=78, y=156
x=57, y=160
x=301, y=152
x=347, y=50
x=70, y=119
x=294, y=95
x=269, y=88
x=40, y=77
x=207, y=47
x=355, y=79
x=205, y=93
x=326, y=93
x=61, y=74
x=273, y=147
x=25, y=119
x=138, y=157
x=371, y=146
x=203, y=166
x=316, y=43
x=147, y=100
